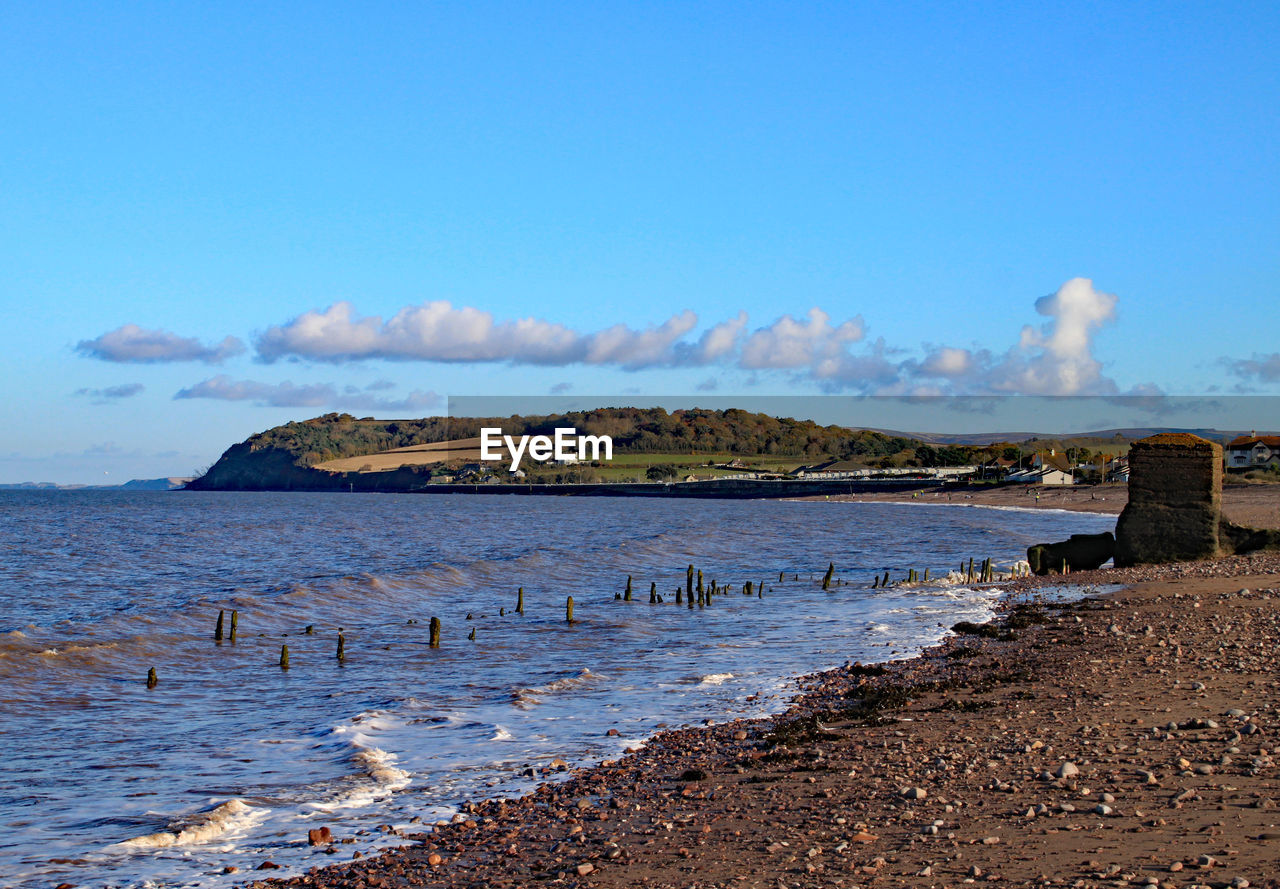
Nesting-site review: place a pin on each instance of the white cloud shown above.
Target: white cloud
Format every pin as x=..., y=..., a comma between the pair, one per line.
x=1056, y=359
x=792, y=343
x=287, y=394
x=131, y=344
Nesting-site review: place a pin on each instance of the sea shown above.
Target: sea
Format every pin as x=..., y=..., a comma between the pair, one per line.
x=229, y=759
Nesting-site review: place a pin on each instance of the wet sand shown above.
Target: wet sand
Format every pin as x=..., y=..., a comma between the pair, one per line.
x=1126, y=740
x=1255, y=505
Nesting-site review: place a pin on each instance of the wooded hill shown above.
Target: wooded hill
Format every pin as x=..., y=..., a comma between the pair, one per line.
x=285, y=457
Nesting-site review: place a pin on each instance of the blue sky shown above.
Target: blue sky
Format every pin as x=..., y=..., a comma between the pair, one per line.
x=219, y=217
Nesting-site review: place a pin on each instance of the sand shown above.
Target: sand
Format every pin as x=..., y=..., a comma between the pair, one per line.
x=1128, y=739
x=1255, y=505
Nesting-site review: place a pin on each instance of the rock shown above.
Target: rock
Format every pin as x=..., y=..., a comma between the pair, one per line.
x=914, y=792
x=434, y=859
x=585, y=868
x=863, y=837
x=1067, y=770
x=1080, y=552
x=1103, y=809
x=268, y=865
x=319, y=836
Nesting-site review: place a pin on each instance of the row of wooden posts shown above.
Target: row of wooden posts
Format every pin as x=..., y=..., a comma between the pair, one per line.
x=696, y=593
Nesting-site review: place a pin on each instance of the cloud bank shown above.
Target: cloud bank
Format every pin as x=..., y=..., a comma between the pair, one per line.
x=131, y=344
x=1258, y=369
x=288, y=394
x=1054, y=359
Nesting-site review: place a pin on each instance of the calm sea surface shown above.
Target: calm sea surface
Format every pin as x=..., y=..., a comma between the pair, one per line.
x=230, y=760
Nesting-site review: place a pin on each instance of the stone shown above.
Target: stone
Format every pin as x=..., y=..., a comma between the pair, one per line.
x=1067, y=770
x=914, y=792
x=319, y=836
x=585, y=868
x=1080, y=552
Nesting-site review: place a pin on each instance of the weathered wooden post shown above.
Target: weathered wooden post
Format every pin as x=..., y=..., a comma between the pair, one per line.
x=342, y=648
x=876, y=583
x=284, y=657
x=310, y=631
x=885, y=582
x=152, y=680
x=520, y=601
x=688, y=581
x=568, y=610
x=472, y=634
x=217, y=631
x=746, y=590
x=699, y=583
x=235, y=622
x=679, y=595
x=781, y=576
x=435, y=632
x=626, y=596
x=826, y=580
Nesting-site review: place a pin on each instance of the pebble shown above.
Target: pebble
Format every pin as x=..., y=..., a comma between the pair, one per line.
x=1067, y=770
x=914, y=792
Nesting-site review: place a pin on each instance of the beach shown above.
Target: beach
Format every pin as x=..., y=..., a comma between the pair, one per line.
x=1125, y=739
x=1256, y=505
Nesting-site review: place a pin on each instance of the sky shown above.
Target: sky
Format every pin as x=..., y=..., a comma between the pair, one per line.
x=218, y=217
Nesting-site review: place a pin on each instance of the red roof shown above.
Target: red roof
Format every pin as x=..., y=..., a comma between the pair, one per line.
x=1248, y=441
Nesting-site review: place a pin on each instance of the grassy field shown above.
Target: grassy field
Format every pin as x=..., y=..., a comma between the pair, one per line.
x=622, y=467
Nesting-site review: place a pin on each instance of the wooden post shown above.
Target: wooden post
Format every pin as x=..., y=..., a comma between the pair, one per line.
x=217, y=631
x=152, y=681
x=679, y=596
x=826, y=580
x=746, y=590
x=699, y=584
x=926, y=575
x=520, y=601
x=235, y=621
x=342, y=648
x=568, y=610
x=472, y=634
x=435, y=632
x=688, y=582
x=876, y=583
x=284, y=657
x=885, y=581
x=653, y=592
x=311, y=629
x=626, y=597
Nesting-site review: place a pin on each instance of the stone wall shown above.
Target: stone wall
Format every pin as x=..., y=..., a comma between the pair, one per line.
x=1175, y=501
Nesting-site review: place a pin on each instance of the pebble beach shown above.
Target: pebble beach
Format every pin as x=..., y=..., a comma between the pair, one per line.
x=1125, y=739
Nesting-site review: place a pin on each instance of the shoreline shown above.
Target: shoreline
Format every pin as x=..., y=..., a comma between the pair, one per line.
x=975, y=728
x=1257, y=506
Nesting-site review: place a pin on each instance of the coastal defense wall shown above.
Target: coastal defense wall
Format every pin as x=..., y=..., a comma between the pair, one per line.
x=1175, y=501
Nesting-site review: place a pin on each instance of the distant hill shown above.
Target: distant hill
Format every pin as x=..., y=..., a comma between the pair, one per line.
x=341, y=452
x=290, y=457
x=171, y=483
x=1087, y=439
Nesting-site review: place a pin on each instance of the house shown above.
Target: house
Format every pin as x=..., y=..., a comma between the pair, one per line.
x=1117, y=470
x=1049, y=468
x=1253, y=451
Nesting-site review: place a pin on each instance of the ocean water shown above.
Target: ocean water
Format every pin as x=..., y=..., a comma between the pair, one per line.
x=229, y=760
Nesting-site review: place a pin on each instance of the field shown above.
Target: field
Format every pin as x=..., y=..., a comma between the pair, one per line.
x=623, y=467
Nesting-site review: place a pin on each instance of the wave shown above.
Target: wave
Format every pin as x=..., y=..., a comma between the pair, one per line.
x=715, y=679
x=228, y=817
x=524, y=698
